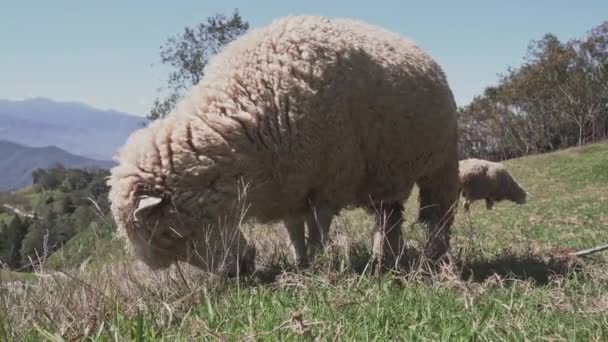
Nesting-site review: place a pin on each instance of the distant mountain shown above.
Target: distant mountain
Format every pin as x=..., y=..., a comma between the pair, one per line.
x=74, y=127
x=18, y=162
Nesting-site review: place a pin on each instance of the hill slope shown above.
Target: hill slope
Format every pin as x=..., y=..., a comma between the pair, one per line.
x=567, y=207
x=17, y=163
x=509, y=279
x=71, y=126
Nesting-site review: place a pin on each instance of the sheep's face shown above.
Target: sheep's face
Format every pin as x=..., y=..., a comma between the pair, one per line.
x=167, y=227
x=519, y=195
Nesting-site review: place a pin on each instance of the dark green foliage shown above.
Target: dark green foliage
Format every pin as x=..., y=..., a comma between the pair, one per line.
x=64, y=201
x=65, y=205
x=33, y=245
x=83, y=216
x=75, y=180
x=11, y=236
x=97, y=190
x=189, y=53
x=94, y=243
x=47, y=179
x=65, y=180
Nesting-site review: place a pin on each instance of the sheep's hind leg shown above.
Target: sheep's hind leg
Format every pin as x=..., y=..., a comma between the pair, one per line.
x=489, y=203
x=388, y=240
x=295, y=229
x=318, y=222
x=438, y=201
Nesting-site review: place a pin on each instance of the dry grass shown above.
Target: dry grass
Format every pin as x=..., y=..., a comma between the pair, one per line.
x=78, y=303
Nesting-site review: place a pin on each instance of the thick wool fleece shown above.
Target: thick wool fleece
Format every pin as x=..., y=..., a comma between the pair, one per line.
x=483, y=179
x=308, y=111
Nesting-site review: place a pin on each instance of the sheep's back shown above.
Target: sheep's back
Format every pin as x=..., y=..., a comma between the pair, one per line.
x=336, y=109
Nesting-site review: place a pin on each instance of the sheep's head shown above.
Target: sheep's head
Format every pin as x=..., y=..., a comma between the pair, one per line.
x=168, y=226
x=518, y=194
x=172, y=201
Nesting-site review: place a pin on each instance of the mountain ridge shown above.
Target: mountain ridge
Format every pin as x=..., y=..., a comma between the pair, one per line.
x=75, y=127
x=19, y=161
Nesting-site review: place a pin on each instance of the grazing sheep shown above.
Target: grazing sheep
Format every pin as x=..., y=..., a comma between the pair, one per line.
x=483, y=179
x=315, y=115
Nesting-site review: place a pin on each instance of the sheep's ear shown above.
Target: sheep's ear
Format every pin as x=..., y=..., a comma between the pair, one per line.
x=146, y=202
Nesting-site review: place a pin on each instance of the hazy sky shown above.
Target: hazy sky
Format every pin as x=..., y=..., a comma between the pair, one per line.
x=105, y=53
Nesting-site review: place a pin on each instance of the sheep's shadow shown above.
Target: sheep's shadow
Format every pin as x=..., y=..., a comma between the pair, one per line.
x=510, y=266
x=506, y=266
x=357, y=260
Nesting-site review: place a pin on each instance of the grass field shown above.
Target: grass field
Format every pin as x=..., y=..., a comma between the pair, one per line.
x=509, y=280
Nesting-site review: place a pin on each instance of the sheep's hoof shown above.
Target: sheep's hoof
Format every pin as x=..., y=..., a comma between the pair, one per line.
x=384, y=264
x=246, y=263
x=434, y=259
x=303, y=264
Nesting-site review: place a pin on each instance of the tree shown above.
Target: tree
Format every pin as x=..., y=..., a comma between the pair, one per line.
x=11, y=238
x=36, y=243
x=5, y=244
x=189, y=53
x=587, y=89
x=49, y=179
x=65, y=205
x=557, y=98
x=46, y=236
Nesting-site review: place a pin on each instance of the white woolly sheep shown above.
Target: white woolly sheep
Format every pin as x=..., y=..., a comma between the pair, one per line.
x=482, y=179
x=316, y=115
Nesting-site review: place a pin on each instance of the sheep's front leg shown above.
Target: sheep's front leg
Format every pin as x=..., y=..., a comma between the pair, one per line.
x=467, y=205
x=246, y=260
x=388, y=240
x=295, y=229
x=489, y=203
x=438, y=201
x=318, y=222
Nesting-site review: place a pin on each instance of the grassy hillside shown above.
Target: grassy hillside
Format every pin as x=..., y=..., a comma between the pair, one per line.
x=509, y=279
x=567, y=206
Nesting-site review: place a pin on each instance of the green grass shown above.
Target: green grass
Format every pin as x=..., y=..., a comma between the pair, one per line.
x=94, y=245
x=567, y=208
x=5, y=217
x=509, y=281
x=8, y=276
x=371, y=311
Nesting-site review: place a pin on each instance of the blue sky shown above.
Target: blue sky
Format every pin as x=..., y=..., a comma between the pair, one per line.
x=105, y=53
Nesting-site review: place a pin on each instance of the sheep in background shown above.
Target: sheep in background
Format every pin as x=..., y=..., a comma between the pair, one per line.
x=482, y=179
x=315, y=115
